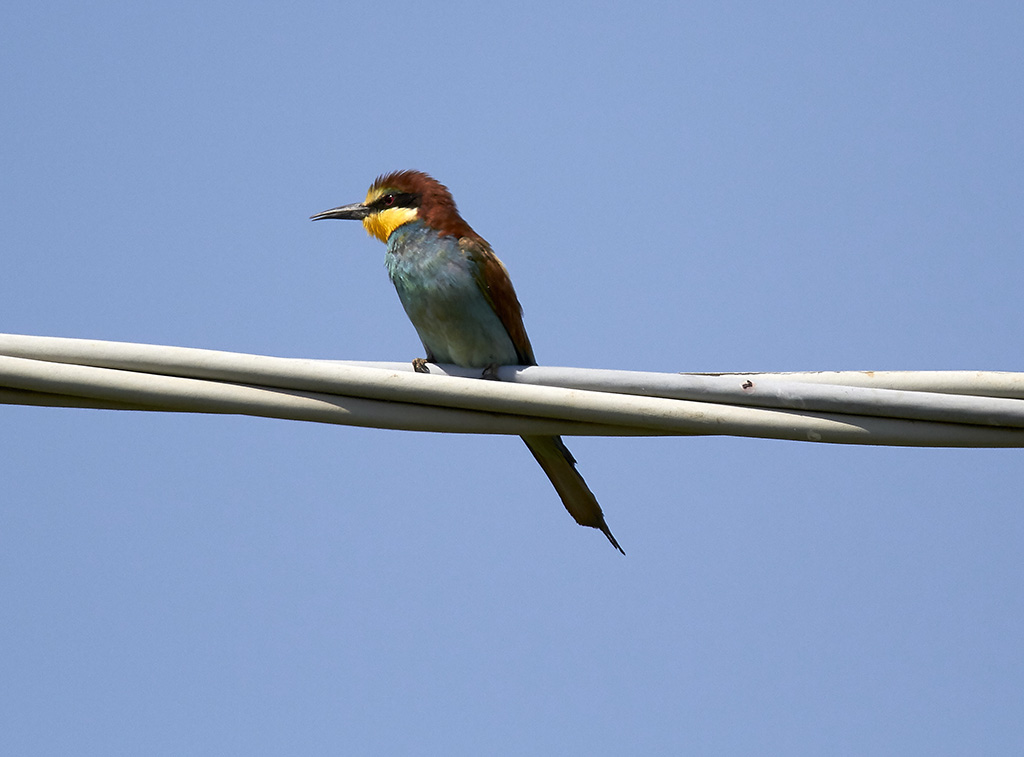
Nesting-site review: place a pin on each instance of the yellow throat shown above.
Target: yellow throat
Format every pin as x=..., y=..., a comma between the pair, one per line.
x=382, y=223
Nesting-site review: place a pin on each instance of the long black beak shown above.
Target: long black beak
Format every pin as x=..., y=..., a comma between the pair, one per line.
x=356, y=212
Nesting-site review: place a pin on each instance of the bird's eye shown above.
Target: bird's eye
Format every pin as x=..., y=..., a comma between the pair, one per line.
x=389, y=200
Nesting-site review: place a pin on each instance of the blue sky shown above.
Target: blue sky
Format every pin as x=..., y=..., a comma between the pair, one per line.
x=673, y=188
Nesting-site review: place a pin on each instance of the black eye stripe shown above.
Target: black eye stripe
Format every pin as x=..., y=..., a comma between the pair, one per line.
x=396, y=200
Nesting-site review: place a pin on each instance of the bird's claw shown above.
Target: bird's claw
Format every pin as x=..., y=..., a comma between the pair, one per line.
x=420, y=365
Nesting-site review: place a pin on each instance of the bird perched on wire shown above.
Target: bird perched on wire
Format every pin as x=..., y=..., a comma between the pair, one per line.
x=460, y=299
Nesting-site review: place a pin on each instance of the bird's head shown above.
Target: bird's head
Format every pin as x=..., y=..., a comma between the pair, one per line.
x=402, y=197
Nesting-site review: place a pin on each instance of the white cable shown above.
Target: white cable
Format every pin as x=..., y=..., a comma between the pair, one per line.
x=963, y=409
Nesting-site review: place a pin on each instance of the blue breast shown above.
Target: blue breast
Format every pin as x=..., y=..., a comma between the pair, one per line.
x=437, y=286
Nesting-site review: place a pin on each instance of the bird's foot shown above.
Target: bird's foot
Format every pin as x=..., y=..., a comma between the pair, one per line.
x=490, y=372
x=420, y=365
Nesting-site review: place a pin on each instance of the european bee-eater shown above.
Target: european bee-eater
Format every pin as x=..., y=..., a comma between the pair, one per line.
x=460, y=299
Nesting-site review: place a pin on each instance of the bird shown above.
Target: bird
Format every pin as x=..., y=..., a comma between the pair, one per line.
x=460, y=299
